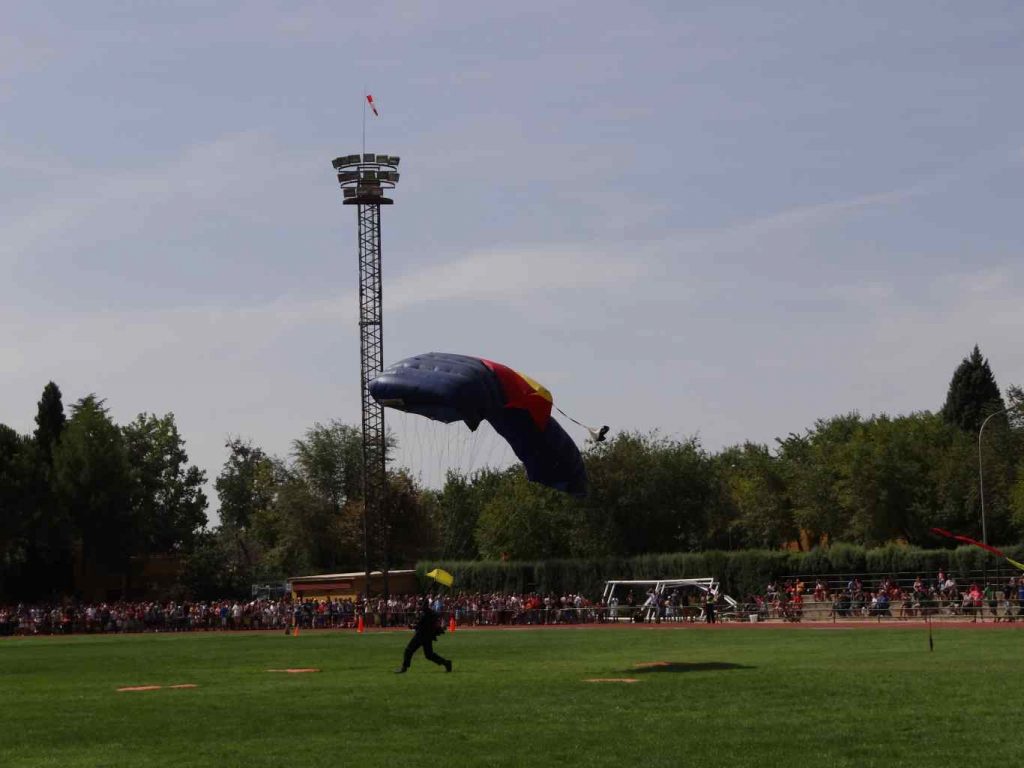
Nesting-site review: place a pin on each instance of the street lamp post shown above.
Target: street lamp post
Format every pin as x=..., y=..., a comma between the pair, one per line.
x=981, y=473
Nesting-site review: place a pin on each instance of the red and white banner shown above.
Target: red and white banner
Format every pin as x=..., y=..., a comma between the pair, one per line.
x=369, y=100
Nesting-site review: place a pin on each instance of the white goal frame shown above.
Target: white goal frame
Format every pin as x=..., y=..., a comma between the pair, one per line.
x=706, y=584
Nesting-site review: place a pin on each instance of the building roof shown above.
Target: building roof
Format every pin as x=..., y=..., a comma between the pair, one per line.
x=352, y=575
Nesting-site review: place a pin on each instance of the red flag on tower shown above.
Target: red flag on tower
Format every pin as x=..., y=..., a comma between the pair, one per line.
x=369, y=100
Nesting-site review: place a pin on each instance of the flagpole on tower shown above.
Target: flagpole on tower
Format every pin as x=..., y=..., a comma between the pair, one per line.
x=364, y=119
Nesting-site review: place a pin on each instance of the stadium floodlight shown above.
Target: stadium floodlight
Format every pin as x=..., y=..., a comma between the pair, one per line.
x=363, y=179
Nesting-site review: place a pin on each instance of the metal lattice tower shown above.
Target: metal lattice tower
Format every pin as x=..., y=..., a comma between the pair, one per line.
x=364, y=179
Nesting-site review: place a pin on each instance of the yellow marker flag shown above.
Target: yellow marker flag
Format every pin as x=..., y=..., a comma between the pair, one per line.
x=441, y=577
x=1014, y=562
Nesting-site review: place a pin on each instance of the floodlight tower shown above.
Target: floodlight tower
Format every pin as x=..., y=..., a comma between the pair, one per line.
x=364, y=179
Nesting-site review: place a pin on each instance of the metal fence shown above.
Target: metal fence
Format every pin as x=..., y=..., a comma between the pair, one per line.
x=834, y=610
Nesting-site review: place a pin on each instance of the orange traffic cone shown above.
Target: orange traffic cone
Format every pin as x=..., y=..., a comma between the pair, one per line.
x=359, y=624
x=296, y=631
x=451, y=623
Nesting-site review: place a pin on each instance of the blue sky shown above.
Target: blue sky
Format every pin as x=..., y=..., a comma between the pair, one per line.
x=723, y=219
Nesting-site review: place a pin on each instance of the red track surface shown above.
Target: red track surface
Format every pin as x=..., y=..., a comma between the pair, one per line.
x=762, y=626
x=917, y=624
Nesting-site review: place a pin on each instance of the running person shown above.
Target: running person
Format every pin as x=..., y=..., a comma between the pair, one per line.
x=428, y=628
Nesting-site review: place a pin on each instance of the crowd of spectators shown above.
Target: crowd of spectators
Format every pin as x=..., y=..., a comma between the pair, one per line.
x=790, y=600
x=468, y=609
x=145, y=616
x=1002, y=601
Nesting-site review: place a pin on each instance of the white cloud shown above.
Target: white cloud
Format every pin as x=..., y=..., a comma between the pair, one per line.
x=803, y=219
x=868, y=293
x=82, y=205
x=515, y=276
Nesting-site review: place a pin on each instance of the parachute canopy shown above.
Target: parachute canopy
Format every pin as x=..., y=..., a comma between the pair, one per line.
x=448, y=388
x=441, y=576
x=969, y=540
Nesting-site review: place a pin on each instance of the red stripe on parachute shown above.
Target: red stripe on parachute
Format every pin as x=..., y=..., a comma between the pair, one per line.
x=519, y=393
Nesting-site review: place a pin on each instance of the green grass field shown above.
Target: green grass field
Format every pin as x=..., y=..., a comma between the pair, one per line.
x=728, y=697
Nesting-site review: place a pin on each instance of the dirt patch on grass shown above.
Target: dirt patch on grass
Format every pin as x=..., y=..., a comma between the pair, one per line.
x=611, y=680
x=295, y=670
x=136, y=688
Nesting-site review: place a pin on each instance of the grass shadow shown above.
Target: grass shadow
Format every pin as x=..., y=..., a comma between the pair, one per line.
x=685, y=666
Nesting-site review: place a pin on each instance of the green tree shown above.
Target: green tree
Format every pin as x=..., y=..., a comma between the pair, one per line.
x=330, y=460
x=322, y=501
x=973, y=394
x=525, y=521
x=758, y=493
x=813, y=465
x=1015, y=406
x=648, y=494
x=216, y=567
x=246, y=483
x=50, y=421
x=889, y=487
x=410, y=534
x=47, y=568
x=93, y=484
x=247, y=489
x=457, y=512
x=168, y=505
x=16, y=492
x=300, y=531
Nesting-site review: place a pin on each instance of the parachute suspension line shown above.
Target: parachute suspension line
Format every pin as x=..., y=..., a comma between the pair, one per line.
x=428, y=450
x=597, y=434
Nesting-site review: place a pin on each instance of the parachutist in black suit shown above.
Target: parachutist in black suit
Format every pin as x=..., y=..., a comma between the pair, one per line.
x=428, y=629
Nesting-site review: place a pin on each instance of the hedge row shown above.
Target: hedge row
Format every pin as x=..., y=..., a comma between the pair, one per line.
x=740, y=573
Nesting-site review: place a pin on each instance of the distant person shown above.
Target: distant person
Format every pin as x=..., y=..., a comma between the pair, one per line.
x=428, y=628
x=650, y=606
x=709, y=608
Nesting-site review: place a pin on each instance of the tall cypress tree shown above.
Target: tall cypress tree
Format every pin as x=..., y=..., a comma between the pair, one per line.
x=973, y=394
x=48, y=567
x=50, y=421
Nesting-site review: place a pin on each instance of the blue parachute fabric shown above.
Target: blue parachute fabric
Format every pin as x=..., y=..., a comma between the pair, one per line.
x=449, y=387
x=440, y=386
x=550, y=457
